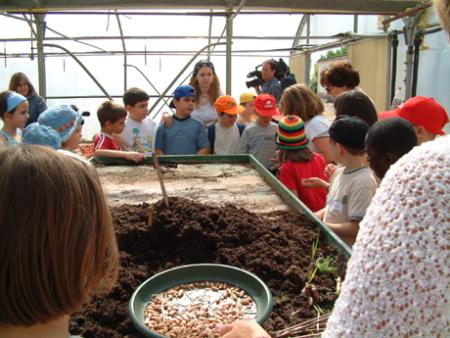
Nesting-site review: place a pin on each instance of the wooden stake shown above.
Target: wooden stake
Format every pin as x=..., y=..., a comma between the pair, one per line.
x=161, y=181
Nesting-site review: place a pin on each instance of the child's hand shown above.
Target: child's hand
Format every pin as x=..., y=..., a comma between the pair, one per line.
x=135, y=156
x=242, y=329
x=167, y=120
x=314, y=182
x=330, y=169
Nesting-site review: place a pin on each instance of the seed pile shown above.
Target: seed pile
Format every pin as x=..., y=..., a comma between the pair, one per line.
x=192, y=310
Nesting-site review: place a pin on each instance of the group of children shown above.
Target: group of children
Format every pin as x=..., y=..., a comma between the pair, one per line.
x=339, y=193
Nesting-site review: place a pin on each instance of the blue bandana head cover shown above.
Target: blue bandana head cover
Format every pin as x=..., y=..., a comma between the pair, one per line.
x=13, y=100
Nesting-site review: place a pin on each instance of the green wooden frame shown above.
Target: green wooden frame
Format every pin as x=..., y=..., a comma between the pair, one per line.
x=286, y=195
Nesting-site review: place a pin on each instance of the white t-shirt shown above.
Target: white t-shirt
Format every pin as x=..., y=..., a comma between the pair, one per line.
x=140, y=136
x=349, y=195
x=316, y=127
x=226, y=140
x=205, y=113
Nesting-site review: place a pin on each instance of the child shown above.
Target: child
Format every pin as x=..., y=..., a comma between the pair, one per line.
x=14, y=113
x=187, y=136
x=139, y=132
x=224, y=135
x=58, y=246
x=258, y=138
x=426, y=115
x=112, y=120
x=68, y=123
x=387, y=141
x=298, y=162
x=353, y=184
x=38, y=134
x=247, y=116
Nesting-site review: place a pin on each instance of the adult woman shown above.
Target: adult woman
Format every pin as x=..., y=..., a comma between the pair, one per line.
x=207, y=88
x=299, y=100
x=21, y=84
x=55, y=252
x=397, y=280
x=339, y=78
x=356, y=103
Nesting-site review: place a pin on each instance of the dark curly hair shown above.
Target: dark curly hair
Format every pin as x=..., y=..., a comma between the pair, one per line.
x=340, y=74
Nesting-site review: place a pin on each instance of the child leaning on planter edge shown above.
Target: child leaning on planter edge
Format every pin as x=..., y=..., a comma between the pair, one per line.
x=353, y=184
x=186, y=136
x=14, y=113
x=224, y=135
x=55, y=252
x=112, y=116
x=258, y=138
x=297, y=162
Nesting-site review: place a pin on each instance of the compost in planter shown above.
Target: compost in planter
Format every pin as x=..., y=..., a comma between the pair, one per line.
x=276, y=247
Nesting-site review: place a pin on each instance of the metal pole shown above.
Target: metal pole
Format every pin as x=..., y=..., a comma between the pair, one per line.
x=124, y=47
x=209, y=34
x=229, y=38
x=409, y=33
x=40, y=33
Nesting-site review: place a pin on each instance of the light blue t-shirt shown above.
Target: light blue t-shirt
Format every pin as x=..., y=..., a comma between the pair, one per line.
x=9, y=138
x=185, y=137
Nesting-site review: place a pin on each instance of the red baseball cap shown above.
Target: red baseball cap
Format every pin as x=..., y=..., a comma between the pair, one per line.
x=421, y=111
x=266, y=105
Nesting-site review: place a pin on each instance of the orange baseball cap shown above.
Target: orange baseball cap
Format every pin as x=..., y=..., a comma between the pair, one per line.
x=421, y=111
x=226, y=104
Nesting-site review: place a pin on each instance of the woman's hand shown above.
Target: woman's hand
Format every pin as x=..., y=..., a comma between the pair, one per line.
x=167, y=120
x=242, y=329
x=330, y=169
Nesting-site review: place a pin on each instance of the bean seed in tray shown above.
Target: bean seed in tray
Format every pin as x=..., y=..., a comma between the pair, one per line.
x=193, y=309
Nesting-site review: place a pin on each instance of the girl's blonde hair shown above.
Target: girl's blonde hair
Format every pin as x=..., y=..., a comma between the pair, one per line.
x=214, y=89
x=58, y=244
x=301, y=101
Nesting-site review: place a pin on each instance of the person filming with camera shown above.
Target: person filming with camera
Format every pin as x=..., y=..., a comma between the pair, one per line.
x=270, y=84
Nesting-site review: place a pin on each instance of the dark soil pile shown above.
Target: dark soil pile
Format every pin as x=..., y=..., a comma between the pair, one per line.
x=276, y=247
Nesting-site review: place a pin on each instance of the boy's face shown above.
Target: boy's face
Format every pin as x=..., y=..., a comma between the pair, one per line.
x=263, y=121
x=378, y=162
x=248, y=109
x=184, y=106
x=139, y=111
x=116, y=127
x=334, y=150
x=227, y=120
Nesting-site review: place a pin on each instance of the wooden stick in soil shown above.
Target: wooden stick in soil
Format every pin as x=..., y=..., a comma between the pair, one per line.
x=161, y=181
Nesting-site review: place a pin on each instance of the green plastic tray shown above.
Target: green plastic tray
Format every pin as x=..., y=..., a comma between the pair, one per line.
x=245, y=280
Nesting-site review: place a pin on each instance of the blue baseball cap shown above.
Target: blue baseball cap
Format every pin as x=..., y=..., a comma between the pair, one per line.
x=36, y=133
x=61, y=118
x=182, y=91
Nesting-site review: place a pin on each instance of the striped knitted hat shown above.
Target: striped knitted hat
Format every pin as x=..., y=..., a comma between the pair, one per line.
x=291, y=133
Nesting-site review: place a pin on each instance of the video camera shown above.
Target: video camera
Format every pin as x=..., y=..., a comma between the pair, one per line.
x=281, y=72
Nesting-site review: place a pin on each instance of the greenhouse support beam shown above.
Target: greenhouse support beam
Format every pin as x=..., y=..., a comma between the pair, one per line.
x=229, y=41
x=40, y=33
x=182, y=71
x=81, y=65
x=409, y=31
x=124, y=47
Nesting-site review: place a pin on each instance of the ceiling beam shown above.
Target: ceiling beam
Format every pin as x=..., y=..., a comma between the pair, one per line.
x=384, y=7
